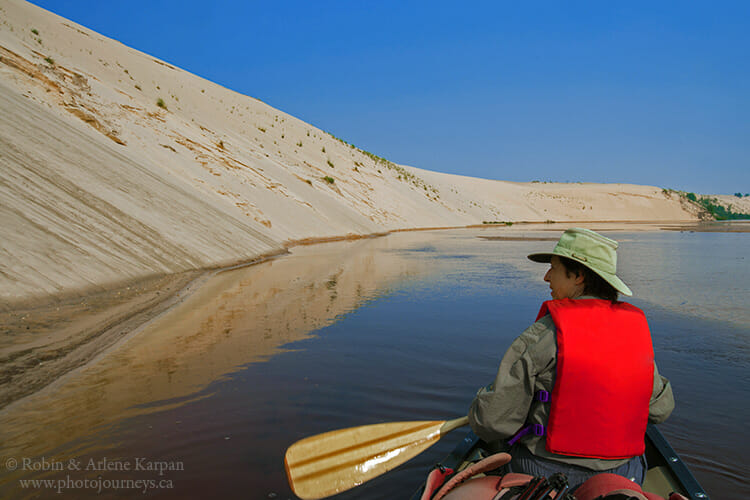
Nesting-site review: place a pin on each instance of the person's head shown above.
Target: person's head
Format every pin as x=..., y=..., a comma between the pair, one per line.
x=569, y=279
x=583, y=263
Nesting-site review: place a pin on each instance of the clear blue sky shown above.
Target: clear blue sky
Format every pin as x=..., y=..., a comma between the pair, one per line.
x=603, y=91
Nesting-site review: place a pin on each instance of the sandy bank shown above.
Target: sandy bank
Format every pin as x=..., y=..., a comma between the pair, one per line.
x=43, y=340
x=39, y=344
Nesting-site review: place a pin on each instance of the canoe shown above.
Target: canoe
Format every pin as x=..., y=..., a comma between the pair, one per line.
x=666, y=471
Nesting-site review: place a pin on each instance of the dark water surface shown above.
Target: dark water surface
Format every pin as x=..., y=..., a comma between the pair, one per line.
x=400, y=328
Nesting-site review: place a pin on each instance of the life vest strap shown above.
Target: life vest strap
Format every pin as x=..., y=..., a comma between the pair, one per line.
x=542, y=396
x=536, y=429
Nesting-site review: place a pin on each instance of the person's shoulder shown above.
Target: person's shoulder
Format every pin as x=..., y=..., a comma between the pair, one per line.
x=541, y=331
x=540, y=342
x=543, y=327
x=536, y=344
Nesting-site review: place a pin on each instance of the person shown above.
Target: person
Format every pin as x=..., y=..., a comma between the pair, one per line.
x=575, y=391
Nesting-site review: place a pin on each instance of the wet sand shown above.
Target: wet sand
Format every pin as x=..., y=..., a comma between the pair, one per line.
x=735, y=226
x=40, y=343
x=44, y=340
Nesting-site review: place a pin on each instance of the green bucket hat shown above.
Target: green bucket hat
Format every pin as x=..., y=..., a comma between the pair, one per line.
x=591, y=249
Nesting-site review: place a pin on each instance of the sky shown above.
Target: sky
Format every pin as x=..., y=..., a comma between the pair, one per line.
x=633, y=91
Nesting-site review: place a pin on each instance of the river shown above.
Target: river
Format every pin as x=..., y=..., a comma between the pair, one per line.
x=203, y=401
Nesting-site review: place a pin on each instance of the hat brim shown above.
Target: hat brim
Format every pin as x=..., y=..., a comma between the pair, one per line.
x=544, y=258
x=612, y=279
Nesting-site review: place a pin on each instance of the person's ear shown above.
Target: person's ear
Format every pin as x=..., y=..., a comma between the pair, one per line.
x=580, y=277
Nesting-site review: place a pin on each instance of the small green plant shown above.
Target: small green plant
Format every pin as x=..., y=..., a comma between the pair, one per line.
x=323, y=149
x=330, y=163
x=262, y=129
x=35, y=31
x=221, y=144
x=308, y=181
x=299, y=144
x=329, y=179
x=50, y=60
x=137, y=86
x=160, y=102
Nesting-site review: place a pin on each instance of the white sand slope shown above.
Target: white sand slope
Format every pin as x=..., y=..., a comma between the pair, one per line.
x=100, y=185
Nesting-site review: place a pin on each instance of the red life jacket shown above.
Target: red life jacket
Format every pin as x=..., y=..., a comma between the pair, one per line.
x=605, y=373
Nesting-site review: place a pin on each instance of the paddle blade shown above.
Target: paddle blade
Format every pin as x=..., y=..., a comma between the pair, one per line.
x=326, y=464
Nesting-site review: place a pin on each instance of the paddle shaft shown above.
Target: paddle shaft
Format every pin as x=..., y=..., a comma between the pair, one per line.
x=454, y=424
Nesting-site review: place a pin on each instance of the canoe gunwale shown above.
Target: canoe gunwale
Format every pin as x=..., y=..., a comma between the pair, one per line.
x=660, y=447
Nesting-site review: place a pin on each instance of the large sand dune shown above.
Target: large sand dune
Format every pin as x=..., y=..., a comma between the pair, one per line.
x=117, y=166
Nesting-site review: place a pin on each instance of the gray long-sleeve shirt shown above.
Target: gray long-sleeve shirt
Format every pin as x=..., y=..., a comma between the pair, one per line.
x=529, y=365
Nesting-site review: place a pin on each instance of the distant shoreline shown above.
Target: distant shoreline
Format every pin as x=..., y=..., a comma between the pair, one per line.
x=719, y=226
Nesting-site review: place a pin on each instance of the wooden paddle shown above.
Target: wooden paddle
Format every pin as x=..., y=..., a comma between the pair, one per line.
x=329, y=463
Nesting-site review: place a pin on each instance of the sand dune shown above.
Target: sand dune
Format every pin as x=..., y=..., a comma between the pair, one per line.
x=117, y=166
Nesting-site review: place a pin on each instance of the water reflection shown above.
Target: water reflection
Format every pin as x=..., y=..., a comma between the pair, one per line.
x=238, y=317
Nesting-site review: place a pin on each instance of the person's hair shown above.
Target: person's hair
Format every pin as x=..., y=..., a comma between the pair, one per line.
x=593, y=284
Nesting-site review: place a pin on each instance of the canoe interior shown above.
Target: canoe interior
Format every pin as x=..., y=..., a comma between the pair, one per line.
x=666, y=470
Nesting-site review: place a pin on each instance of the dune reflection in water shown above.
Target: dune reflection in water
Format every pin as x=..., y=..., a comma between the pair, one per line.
x=238, y=317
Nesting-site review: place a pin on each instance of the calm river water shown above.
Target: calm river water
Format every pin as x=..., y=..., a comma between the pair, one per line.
x=403, y=327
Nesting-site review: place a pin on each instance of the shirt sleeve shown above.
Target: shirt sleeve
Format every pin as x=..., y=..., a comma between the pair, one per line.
x=500, y=411
x=662, y=399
